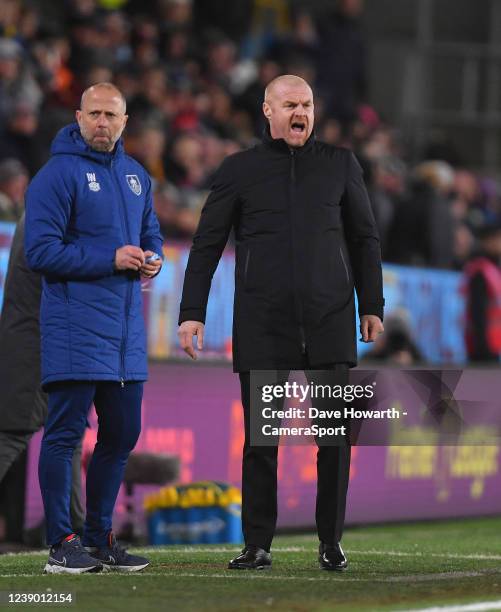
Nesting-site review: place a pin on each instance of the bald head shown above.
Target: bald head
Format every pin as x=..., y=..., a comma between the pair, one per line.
x=103, y=87
x=101, y=116
x=284, y=82
x=288, y=106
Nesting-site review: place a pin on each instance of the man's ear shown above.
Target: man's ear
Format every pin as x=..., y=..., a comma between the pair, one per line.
x=78, y=114
x=266, y=110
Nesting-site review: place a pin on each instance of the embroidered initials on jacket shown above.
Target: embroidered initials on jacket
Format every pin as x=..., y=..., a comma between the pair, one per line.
x=93, y=184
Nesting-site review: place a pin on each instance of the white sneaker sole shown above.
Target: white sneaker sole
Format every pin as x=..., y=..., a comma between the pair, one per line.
x=62, y=569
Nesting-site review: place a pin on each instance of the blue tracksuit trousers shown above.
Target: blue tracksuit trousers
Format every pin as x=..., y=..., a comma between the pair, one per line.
x=119, y=424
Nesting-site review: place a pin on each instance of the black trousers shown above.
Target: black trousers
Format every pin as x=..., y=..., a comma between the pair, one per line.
x=13, y=443
x=259, y=471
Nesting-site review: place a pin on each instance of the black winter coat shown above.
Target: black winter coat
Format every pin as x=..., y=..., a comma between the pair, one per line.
x=23, y=405
x=305, y=237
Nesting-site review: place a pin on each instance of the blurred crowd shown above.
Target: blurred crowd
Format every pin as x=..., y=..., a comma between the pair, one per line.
x=193, y=73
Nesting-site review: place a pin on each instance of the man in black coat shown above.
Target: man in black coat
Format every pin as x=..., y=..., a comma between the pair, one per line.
x=305, y=238
x=23, y=404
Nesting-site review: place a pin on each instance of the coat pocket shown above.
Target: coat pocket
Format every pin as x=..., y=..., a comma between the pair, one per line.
x=333, y=215
x=57, y=289
x=260, y=269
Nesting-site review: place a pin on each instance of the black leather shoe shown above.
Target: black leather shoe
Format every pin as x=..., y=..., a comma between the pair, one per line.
x=251, y=557
x=331, y=557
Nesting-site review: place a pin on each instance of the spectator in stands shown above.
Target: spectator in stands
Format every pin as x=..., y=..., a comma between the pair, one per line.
x=229, y=18
x=176, y=218
x=250, y=99
x=16, y=81
x=10, y=17
x=341, y=63
x=386, y=188
x=146, y=54
x=269, y=24
x=463, y=244
x=301, y=45
x=483, y=298
x=154, y=87
x=468, y=202
x=179, y=57
x=50, y=64
x=219, y=113
x=422, y=231
x=88, y=44
x=20, y=138
x=175, y=13
x=117, y=30
x=13, y=182
x=146, y=143
x=28, y=25
x=222, y=62
x=186, y=167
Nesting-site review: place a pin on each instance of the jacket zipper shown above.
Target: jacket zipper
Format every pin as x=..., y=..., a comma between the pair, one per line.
x=344, y=264
x=126, y=232
x=297, y=300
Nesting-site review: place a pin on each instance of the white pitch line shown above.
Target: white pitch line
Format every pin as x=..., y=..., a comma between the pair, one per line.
x=286, y=549
x=397, y=553
x=480, y=606
x=222, y=549
x=441, y=576
x=266, y=575
x=293, y=549
x=165, y=549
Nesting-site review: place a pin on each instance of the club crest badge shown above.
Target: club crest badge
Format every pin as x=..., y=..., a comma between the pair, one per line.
x=134, y=184
x=93, y=184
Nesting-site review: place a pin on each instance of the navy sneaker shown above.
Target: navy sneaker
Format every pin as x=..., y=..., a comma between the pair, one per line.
x=114, y=557
x=70, y=557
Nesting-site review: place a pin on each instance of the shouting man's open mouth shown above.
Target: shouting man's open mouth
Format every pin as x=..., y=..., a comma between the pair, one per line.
x=298, y=127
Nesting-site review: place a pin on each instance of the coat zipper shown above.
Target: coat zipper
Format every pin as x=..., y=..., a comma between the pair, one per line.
x=344, y=264
x=298, y=305
x=126, y=232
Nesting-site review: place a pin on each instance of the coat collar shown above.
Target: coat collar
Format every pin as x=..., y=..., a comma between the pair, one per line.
x=69, y=141
x=279, y=144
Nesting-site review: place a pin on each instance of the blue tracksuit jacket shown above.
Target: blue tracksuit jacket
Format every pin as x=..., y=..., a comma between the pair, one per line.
x=80, y=207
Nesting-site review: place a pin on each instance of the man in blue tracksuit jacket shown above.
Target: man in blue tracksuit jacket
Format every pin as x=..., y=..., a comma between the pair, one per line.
x=92, y=233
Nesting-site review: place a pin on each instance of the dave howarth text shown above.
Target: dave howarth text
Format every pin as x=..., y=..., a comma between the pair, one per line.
x=315, y=413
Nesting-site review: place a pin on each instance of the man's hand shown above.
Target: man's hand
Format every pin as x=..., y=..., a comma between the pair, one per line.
x=371, y=327
x=129, y=257
x=186, y=331
x=152, y=268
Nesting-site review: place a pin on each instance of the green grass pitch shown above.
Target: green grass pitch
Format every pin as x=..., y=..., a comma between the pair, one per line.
x=392, y=567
